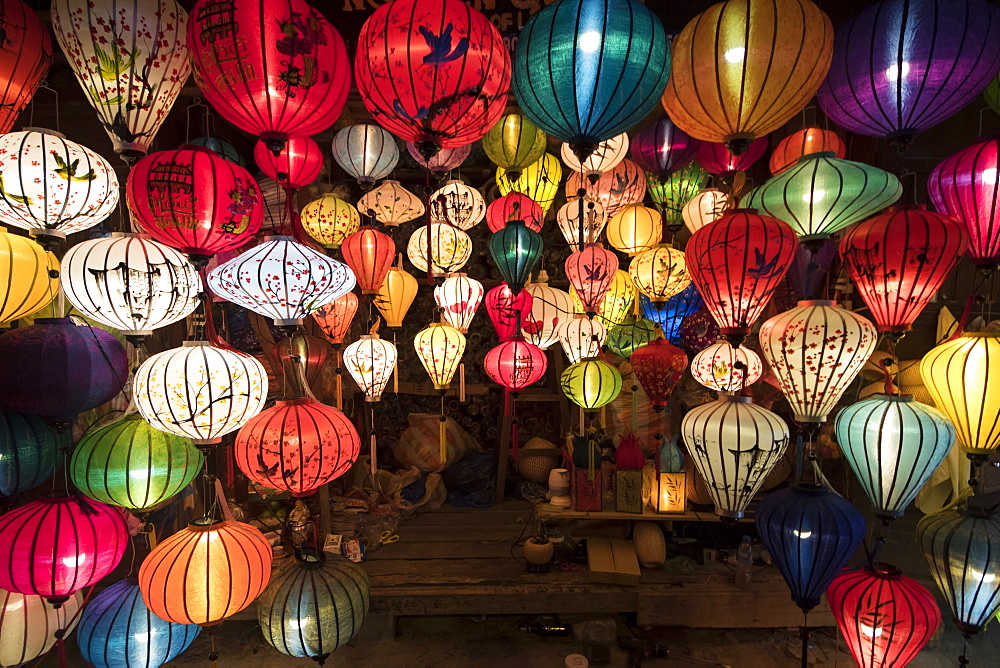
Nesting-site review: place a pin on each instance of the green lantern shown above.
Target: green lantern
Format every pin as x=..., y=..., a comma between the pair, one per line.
x=514, y=143
x=516, y=249
x=670, y=194
x=821, y=194
x=992, y=94
x=591, y=383
x=623, y=339
x=130, y=464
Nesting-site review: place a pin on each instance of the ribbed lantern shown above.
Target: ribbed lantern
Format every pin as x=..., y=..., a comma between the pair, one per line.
x=369, y=253
x=515, y=364
x=391, y=204
x=662, y=148
x=605, y=156
x=539, y=180
x=205, y=572
x=440, y=348
x=365, y=151
x=821, y=194
x=810, y=533
x=633, y=332
x=330, y=219
x=199, y=391
x=57, y=545
x=591, y=383
x=659, y=273
x=456, y=204
x=734, y=443
x=805, y=142
x=931, y=60
x=514, y=143
x=459, y=298
x=893, y=444
x=723, y=368
x=371, y=361
x=514, y=206
x=449, y=249
x=441, y=162
x=706, y=207
x=742, y=69
x=622, y=186
x=335, y=318
x=634, y=229
x=508, y=310
x=130, y=464
x=28, y=625
x=299, y=357
x=396, y=296
x=221, y=147
x=25, y=61
x=581, y=337
x=516, y=249
x=550, y=308
x=131, y=60
x=585, y=213
x=618, y=302
x=117, y=630
x=590, y=271
x=885, y=617
x=899, y=259
x=658, y=366
x=28, y=452
x=671, y=193
x=296, y=163
x=51, y=186
x=737, y=262
x=719, y=160
x=32, y=277
x=670, y=314
x=698, y=331
x=433, y=73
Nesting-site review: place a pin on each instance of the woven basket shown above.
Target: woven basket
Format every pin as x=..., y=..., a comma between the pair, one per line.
x=650, y=546
x=536, y=468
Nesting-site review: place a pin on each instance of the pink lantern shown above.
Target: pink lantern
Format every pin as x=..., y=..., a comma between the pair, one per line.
x=444, y=160
x=335, y=318
x=717, y=158
x=514, y=206
x=615, y=190
x=508, y=310
x=591, y=271
x=298, y=162
x=515, y=364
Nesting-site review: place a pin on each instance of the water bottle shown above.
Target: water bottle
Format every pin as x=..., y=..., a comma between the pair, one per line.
x=744, y=561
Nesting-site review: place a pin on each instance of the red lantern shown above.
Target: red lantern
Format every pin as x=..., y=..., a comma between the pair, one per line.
x=194, y=200
x=717, y=158
x=296, y=164
x=297, y=445
x=591, y=271
x=301, y=357
x=737, y=262
x=515, y=364
x=335, y=318
x=899, y=259
x=273, y=68
x=433, y=72
x=514, y=206
x=369, y=253
x=508, y=311
x=24, y=59
x=658, y=366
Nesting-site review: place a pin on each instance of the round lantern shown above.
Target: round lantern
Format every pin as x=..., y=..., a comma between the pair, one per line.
x=297, y=162
x=194, y=200
x=590, y=271
x=330, y=219
x=723, y=368
x=670, y=314
x=704, y=208
x=581, y=216
x=718, y=159
x=698, y=331
x=550, y=308
x=57, y=370
x=588, y=70
x=222, y=148
x=514, y=206
x=618, y=302
x=273, y=70
x=822, y=194
x=508, y=310
x=630, y=334
x=131, y=283
x=622, y=186
x=591, y=383
x=659, y=367
x=737, y=262
x=314, y=604
x=55, y=546
x=957, y=375
x=885, y=617
x=32, y=277
x=443, y=161
x=671, y=193
x=26, y=58
x=28, y=452
x=199, y=391
x=28, y=624
x=743, y=69
x=805, y=142
x=448, y=250
x=515, y=364
x=371, y=361
x=369, y=253
x=966, y=185
x=459, y=297
x=131, y=60
x=515, y=250
x=734, y=444
x=281, y=279
x=662, y=148
x=899, y=259
x=931, y=61
x=366, y=152
x=335, y=318
x=51, y=186
x=440, y=348
x=810, y=533
x=205, y=572
x=893, y=444
x=395, y=296
x=456, y=204
x=634, y=229
x=659, y=273
x=391, y=204
x=581, y=337
x=605, y=156
x=128, y=463
x=514, y=143
x=434, y=73
x=539, y=180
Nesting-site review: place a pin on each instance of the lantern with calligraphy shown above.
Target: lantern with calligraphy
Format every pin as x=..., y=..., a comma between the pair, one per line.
x=508, y=310
x=395, y=296
x=330, y=219
x=25, y=62
x=605, y=156
x=371, y=361
x=581, y=216
x=335, y=318
x=662, y=148
x=33, y=277
x=391, y=204
x=456, y=204
x=591, y=383
x=539, y=180
x=804, y=142
x=296, y=163
x=659, y=367
x=590, y=271
x=440, y=348
x=459, y=297
x=447, y=252
x=369, y=253
x=514, y=206
x=622, y=186
x=581, y=337
x=723, y=368
x=514, y=143
x=366, y=152
x=515, y=364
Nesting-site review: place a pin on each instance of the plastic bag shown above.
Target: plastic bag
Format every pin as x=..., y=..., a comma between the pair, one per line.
x=471, y=482
x=419, y=444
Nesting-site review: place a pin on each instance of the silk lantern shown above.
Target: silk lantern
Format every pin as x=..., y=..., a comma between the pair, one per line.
x=550, y=308
x=32, y=277
x=515, y=364
x=443, y=161
x=662, y=148
x=802, y=142
x=515, y=250
x=329, y=220
x=618, y=302
x=433, y=73
x=508, y=310
x=335, y=318
x=734, y=444
x=296, y=163
x=622, y=186
x=25, y=61
x=930, y=60
x=514, y=143
x=591, y=383
x=371, y=362
x=220, y=147
x=698, y=331
x=634, y=229
x=898, y=261
x=514, y=206
x=459, y=298
x=605, y=156
x=369, y=253
x=396, y=295
x=723, y=368
x=28, y=452
x=706, y=207
x=581, y=216
x=659, y=273
x=448, y=250
x=28, y=625
x=440, y=348
x=624, y=338
x=131, y=59
x=456, y=204
x=658, y=366
x=737, y=262
x=743, y=69
x=671, y=193
x=391, y=204
x=590, y=271
x=719, y=160
x=300, y=359
x=199, y=391
x=581, y=337
x=670, y=314
x=539, y=180
x=366, y=152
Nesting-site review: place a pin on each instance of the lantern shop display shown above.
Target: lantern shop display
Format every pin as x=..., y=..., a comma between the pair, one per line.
x=296, y=163
x=723, y=368
x=440, y=348
x=513, y=143
x=28, y=625
x=515, y=364
x=514, y=206
x=591, y=383
x=28, y=452
x=365, y=151
x=396, y=295
x=603, y=158
x=371, y=362
x=669, y=315
x=622, y=186
x=662, y=148
x=802, y=142
x=447, y=252
x=634, y=229
x=539, y=180
x=33, y=277
x=25, y=61
x=550, y=308
x=441, y=162
x=508, y=310
x=369, y=253
x=590, y=272
x=704, y=208
x=516, y=249
x=391, y=204
x=660, y=272
x=459, y=297
x=581, y=217
x=456, y=204
x=658, y=366
x=335, y=318
x=581, y=337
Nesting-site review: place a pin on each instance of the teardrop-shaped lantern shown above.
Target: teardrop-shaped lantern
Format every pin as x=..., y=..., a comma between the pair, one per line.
x=581, y=337
x=659, y=367
x=514, y=206
x=440, y=348
x=297, y=162
x=391, y=204
x=630, y=334
x=456, y=204
x=365, y=151
x=28, y=452
x=672, y=192
x=622, y=186
x=371, y=361
x=32, y=277
x=515, y=364
x=590, y=271
x=805, y=142
x=704, y=208
x=605, y=156
x=330, y=219
x=26, y=57
x=448, y=251
x=335, y=318
x=459, y=298
x=659, y=273
x=508, y=310
x=396, y=295
x=585, y=213
x=539, y=180
x=29, y=623
x=515, y=250
x=723, y=368
x=514, y=143
x=369, y=253
x=662, y=148
x=441, y=162
x=591, y=383
x=670, y=314
x=550, y=308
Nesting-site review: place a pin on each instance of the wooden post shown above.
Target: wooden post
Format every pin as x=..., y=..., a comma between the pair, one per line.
x=324, y=514
x=504, y=450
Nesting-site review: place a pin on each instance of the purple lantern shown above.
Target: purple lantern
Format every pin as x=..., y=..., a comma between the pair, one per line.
x=809, y=268
x=662, y=148
x=444, y=160
x=903, y=66
x=717, y=159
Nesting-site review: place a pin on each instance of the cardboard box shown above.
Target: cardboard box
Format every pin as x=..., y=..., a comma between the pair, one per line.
x=612, y=561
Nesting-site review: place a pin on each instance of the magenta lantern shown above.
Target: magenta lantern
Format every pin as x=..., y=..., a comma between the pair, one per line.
x=508, y=311
x=296, y=164
x=444, y=160
x=717, y=159
x=515, y=364
x=662, y=148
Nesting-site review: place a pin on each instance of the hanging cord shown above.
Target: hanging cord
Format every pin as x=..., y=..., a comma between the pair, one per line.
x=805, y=639
x=206, y=117
x=43, y=85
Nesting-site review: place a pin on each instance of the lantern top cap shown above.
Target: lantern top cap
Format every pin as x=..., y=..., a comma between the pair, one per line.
x=896, y=398
x=206, y=524
x=298, y=401
x=817, y=302
x=736, y=399
x=977, y=512
x=129, y=235
x=817, y=155
x=363, y=337
x=454, y=181
x=808, y=488
x=884, y=571
x=752, y=212
x=195, y=147
x=196, y=344
x=45, y=131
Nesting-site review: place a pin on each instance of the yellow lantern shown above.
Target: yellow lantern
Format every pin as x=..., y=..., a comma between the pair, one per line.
x=704, y=208
x=617, y=302
x=591, y=383
x=514, y=143
x=671, y=492
x=393, y=299
x=581, y=211
x=330, y=219
x=450, y=248
x=30, y=277
x=440, y=348
x=634, y=229
x=605, y=157
x=660, y=273
x=539, y=181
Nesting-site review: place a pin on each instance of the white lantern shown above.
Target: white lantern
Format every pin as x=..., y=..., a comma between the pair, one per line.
x=581, y=337
x=199, y=391
x=450, y=249
x=459, y=298
x=550, y=308
x=606, y=156
x=457, y=204
x=370, y=361
x=131, y=58
x=581, y=210
x=391, y=204
x=734, y=444
x=704, y=208
x=51, y=186
x=723, y=368
x=281, y=279
x=130, y=282
x=28, y=625
x=365, y=151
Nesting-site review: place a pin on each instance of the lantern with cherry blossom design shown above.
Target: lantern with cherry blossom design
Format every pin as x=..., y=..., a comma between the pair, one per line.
x=330, y=219
x=658, y=366
x=335, y=318
x=369, y=253
x=514, y=206
x=459, y=297
x=391, y=204
x=296, y=164
x=724, y=368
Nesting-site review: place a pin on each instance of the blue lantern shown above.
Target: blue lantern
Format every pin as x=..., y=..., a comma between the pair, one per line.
x=28, y=450
x=669, y=314
x=516, y=249
x=810, y=533
x=893, y=444
x=117, y=630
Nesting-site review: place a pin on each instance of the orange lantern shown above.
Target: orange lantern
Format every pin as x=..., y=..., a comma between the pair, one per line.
x=335, y=318
x=396, y=295
x=804, y=142
x=369, y=253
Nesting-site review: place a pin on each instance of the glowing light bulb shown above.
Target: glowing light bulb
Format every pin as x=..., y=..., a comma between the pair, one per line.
x=802, y=534
x=871, y=632
x=813, y=196
x=988, y=175
x=590, y=41
x=74, y=561
x=893, y=73
x=139, y=474
x=735, y=54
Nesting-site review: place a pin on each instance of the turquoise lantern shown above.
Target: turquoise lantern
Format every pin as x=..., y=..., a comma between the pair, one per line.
x=28, y=452
x=516, y=249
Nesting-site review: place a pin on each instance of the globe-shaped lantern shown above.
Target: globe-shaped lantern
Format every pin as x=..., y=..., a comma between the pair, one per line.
x=719, y=160
x=634, y=229
x=32, y=277
x=734, y=444
x=459, y=297
x=335, y=318
x=440, y=348
x=539, y=180
x=297, y=162
x=605, y=156
x=514, y=143
x=194, y=200
x=591, y=383
x=659, y=273
x=396, y=296
x=220, y=146
x=899, y=259
x=698, y=331
x=391, y=204
x=670, y=314
x=662, y=148
x=25, y=62
x=590, y=271
x=659, y=367
x=515, y=250
x=581, y=337
x=704, y=208
x=737, y=262
x=724, y=368
x=893, y=444
x=508, y=310
x=810, y=533
x=130, y=464
x=618, y=302
x=369, y=253
x=117, y=630
x=514, y=206
x=130, y=283
x=671, y=193
x=456, y=204
x=28, y=624
x=433, y=73
x=581, y=216
x=929, y=61
x=515, y=364
x=802, y=142
x=371, y=361
x=366, y=152
x=622, y=186
x=550, y=308
x=330, y=219
x=625, y=337
x=441, y=162
x=199, y=391
x=28, y=451
x=271, y=69
x=448, y=250
x=55, y=546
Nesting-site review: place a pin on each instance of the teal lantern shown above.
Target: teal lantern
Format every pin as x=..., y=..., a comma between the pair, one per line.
x=516, y=249
x=893, y=444
x=28, y=451
x=623, y=339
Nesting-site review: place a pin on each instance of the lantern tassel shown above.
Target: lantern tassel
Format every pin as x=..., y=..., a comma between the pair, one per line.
x=373, y=457
x=635, y=409
x=461, y=382
x=513, y=428
x=339, y=392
